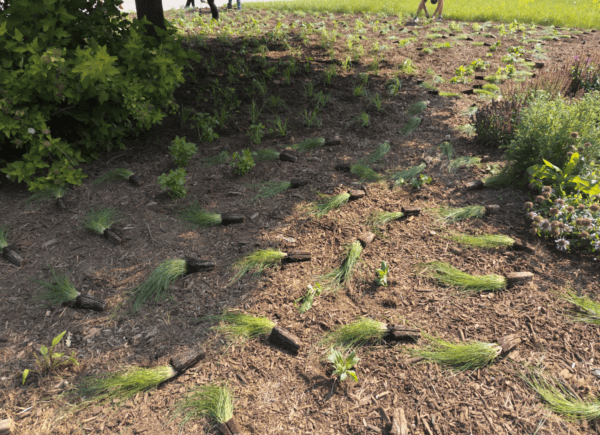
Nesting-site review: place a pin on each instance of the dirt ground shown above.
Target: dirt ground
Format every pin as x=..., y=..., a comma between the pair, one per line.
x=277, y=392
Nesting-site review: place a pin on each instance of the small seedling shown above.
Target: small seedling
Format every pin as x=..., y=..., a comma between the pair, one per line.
x=122, y=386
x=469, y=355
x=242, y=164
x=378, y=219
x=561, y=399
x=256, y=262
x=156, y=287
x=452, y=215
x=59, y=290
x=365, y=173
x=420, y=180
x=486, y=241
x=332, y=202
x=309, y=298
x=358, y=333
x=206, y=126
x=220, y=159
x=410, y=126
x=100, y=220
x=212, y=401
x=407, y=67
x=393, y=86
x=182, y=151
x=338, y=278
x=343, y=364
x=256, y=132
x=382, y=275
x=241, y=327
x=279, y=126
x=174, y=182
x=450, y=276
x=364, y=119
x=588, y=310
x=377, y=102
x=51, y=360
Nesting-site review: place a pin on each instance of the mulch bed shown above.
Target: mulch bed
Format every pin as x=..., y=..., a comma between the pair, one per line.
x=277, y=391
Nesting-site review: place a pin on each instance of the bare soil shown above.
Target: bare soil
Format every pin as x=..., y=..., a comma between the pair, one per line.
x=277, y=392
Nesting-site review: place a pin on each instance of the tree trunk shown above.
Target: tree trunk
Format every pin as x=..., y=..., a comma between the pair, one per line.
x=153, y=11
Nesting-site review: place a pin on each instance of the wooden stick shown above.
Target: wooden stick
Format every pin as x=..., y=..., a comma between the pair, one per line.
x=475, y=185
x=332, y=141
x=13, y=256
x=298, y=182
x=297, y=256
x=285, y=339
x=518, y=278
x=366, y=238
x=356, y=194
x=231, y=218
x=111, y=236
x=89, y=302
x=196, y=265
x=187, y=359
x=6, y=426
x=509, y=342
x=135, y=180
x=287, y=157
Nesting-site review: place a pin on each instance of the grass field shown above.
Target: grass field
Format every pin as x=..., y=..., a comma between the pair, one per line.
x=569, y=13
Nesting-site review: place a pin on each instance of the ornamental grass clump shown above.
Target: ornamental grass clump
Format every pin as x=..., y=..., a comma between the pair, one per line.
x=211, y=401
x=308, y=145
x=588, y=310
x=113, y=175
x=561, y=399
x=157, y=286
x=337, y=279
x=377, y=154
x=58, y=290
x=470, y=355
x=272, y=188
x=47, y=194
x=452, y=277
x=365, y=173
x=101, y=219
x=332, y=202
x=485, y=241
x=4, y=229
x=358, y=333
x=220, y=159
x=410, y=126
x=407, y=175
x=122, y=386
x=378, y=219
x=417, y=108
x=463, y=162
x=256, y=262
x=199, y=217
x=265, y=155
x=241, y=327
x=451, y=215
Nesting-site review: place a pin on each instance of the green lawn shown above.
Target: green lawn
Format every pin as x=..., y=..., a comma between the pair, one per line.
x=569, y=13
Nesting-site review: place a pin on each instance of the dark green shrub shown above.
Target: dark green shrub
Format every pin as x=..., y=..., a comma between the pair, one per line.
x=182, y=151
x=174, y=182
x=74, y=80
x=544, y=132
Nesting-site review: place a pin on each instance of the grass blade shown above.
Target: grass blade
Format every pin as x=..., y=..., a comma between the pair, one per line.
x=377, y=219
x=241, y=327
x=98, y=220
x=410, y=126
x=463, y=162
x=561, y=400
x=256, y=262
x=199, y=217
x=417, y=108
x=125, y=385
x=485, y=241
x=265, y=155
x=47, y=194
x=450, y=214
x=337, y=279
x=588, y=309
x=332, y=202
x=377, y=154
x=212, y=401
x=355, y=334
x=365, y=173
x=470, y=355
x=220, y=159
x=58, y=290
x=450, y=276
x=308, y=145
x=272, y=188
x=4, y=229
x=156, y=286
x=407, y=175
x=113, y=175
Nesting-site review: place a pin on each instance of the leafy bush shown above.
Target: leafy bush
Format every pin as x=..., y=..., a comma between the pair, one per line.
x=182, y=151
x=175, y=182
x=242, y=163
x=544, y=132
x=75, y=80
x=206, y=126
x=586, y=75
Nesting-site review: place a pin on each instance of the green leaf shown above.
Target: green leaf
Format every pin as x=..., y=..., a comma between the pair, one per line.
x=572, y=164
x=25, y=374
x=353, y=375
x=343, y=376
x=550, y=165
x=57, y=339
x=18, y=35
x=43, y=350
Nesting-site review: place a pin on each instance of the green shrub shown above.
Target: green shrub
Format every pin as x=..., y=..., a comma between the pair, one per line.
x=206, y=126
x=175, y=182
x=242, y=163
x=544, y=132
x=182, y=151
x=75, y=80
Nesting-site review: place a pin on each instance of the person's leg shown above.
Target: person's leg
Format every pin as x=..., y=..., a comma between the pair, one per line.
x=213, y=9
x=229, y=6
x=422, y=7
x=239, y=5
x=439, y=9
